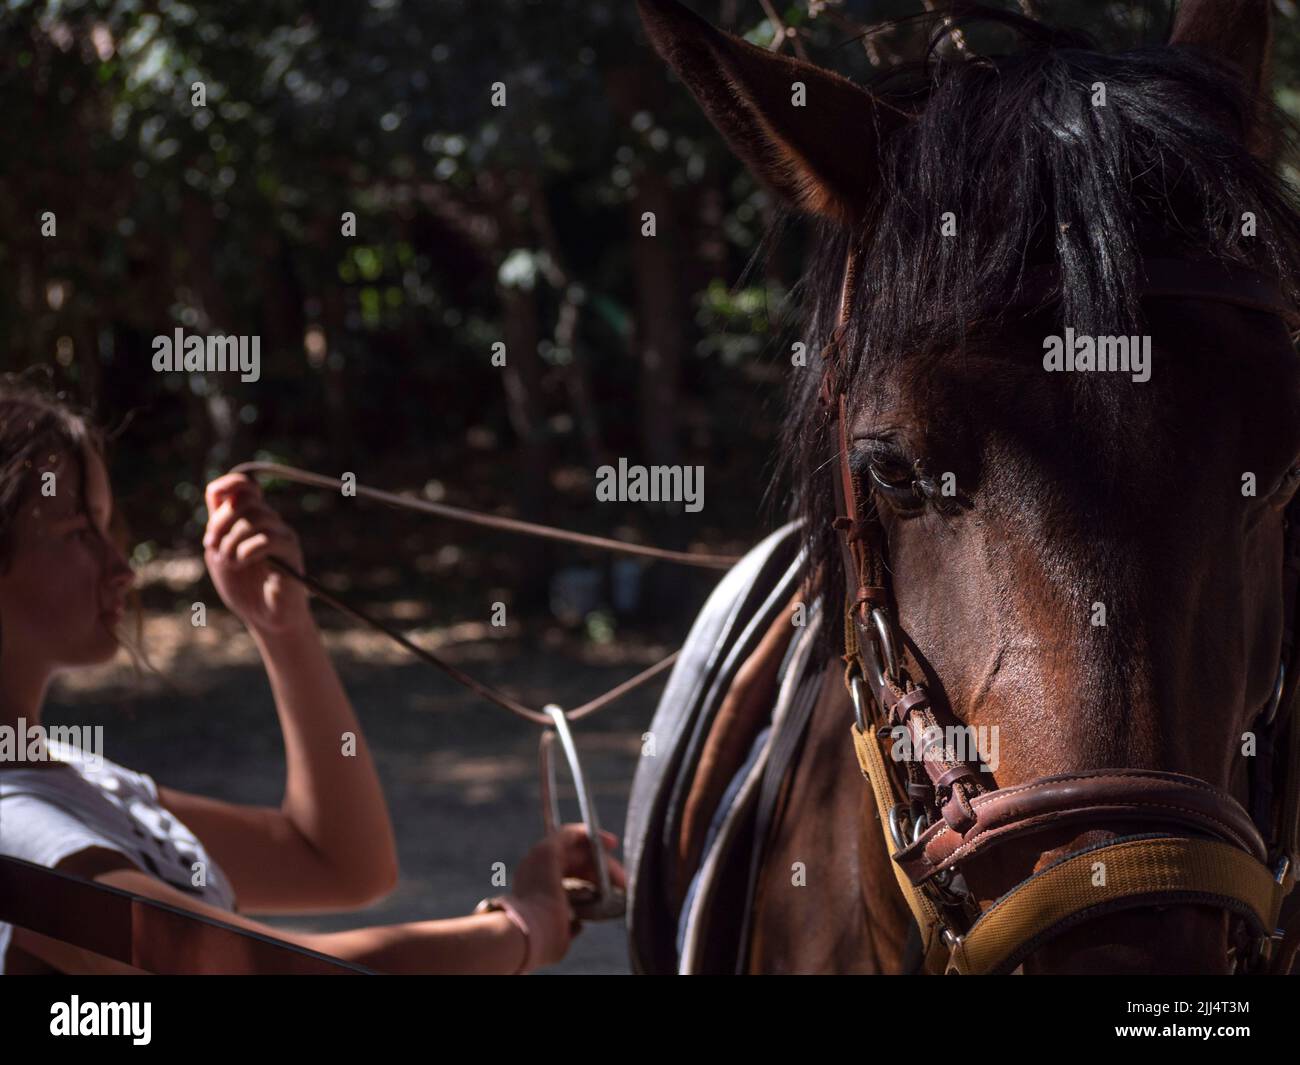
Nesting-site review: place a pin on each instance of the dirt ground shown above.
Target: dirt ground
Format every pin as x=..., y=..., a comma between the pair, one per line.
x=460, y=775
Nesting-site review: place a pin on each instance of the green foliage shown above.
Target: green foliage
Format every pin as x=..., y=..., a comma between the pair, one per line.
x=472, y=222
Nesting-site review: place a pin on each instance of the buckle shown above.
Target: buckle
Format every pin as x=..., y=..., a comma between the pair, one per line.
x=902, y=816
x=954, y=943
x=858, y=693
x=878, y=645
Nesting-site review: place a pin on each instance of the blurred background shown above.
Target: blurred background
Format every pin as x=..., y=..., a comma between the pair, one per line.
x=474, y=224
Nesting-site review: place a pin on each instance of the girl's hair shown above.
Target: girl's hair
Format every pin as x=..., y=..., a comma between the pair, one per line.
x=37, y=427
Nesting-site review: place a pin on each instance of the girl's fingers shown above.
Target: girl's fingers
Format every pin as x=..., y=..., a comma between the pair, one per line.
x=584, y=868
x=259, y=515
x=229, y=512
x=253, y=549
x=576, y=856
x=281, y=539
x=228, y=486
x=219, y=522
x=574, y=839
x=260, y=545
x=241, y=530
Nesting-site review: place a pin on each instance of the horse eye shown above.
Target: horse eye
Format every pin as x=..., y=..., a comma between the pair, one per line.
x=889, y=473
x=891, y=478
x=907, y=484
x=896, y=481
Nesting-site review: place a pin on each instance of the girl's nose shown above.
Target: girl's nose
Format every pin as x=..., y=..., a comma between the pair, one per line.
x=118, y=574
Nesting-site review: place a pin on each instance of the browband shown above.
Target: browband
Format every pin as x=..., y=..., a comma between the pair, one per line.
x=1207, y=279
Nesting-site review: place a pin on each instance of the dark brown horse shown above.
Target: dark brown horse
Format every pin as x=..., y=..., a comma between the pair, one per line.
x=1089, y=562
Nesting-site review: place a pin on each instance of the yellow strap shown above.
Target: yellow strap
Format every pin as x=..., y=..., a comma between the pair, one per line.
x=872, y=763
x=1107, y=874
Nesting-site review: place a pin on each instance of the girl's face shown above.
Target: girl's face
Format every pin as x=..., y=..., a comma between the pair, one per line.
x=63, y=594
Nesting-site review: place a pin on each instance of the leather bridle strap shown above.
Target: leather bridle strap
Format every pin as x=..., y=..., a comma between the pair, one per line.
x=1138, y=871
x=1119, y=795
x=1219, y=283
x=1183, y=279
x=1121, y=874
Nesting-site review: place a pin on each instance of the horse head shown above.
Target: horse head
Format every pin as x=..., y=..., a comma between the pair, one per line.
x=1060, y=409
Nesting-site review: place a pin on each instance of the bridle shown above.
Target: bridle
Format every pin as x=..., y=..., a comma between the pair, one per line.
x=938, y=813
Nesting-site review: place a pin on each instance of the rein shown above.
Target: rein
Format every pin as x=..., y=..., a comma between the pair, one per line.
x=490, y=521
x=1198, y=844
x=589, y=901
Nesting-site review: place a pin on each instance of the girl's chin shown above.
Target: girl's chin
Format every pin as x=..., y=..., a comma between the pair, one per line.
x=97, y=653
x=103, y=648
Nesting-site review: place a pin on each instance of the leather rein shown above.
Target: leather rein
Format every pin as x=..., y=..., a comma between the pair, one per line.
x=543, y=717
x=938, y=812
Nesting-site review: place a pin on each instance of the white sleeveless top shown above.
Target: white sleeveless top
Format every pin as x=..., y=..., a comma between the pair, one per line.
x=49, y=814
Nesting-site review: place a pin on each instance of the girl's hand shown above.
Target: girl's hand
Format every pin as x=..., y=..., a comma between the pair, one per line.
x=242, y=531
x=538, y=893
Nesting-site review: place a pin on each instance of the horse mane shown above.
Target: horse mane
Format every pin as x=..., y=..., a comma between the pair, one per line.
x=1034, y=173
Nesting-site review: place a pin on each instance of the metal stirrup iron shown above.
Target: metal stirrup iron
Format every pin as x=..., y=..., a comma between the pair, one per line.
x=590, y=902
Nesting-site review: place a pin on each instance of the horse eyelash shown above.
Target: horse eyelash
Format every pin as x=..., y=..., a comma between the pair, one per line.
x=924, y=485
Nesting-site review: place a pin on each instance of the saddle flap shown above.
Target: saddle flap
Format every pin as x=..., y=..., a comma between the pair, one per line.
x=691, y=690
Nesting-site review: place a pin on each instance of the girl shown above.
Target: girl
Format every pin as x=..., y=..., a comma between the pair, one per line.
x=330, y=846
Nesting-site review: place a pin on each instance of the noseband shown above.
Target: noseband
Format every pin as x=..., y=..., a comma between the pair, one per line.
x=939, y=813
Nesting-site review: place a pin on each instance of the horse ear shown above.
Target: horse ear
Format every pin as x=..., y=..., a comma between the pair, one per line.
x=1238, y=32
x=818, y=156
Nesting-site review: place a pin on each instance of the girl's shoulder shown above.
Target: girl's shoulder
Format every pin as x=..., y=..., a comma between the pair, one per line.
x=70, y=770
x=49, y=813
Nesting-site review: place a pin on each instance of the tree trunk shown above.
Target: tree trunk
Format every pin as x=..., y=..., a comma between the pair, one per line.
x=660, y=341
x=530, y=484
